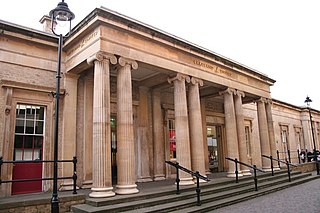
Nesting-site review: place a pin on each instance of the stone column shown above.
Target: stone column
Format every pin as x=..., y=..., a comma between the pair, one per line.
x=101, y=177
x=158, y=137
x=68, y=127
x=204, y=135
x=125, y=137
x=306, y=128
x=241, y=132
x=264, y=134
x=144, y=136
x=231, y=130
x=182, y=126
x=87, y=133
x=272, y=141
x=195, y=122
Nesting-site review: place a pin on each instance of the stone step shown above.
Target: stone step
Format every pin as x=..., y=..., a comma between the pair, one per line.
x=222, y=199
x=216, y=184
x=169, y=201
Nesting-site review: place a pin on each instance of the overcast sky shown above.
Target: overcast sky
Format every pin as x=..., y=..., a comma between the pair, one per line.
x=280, y=38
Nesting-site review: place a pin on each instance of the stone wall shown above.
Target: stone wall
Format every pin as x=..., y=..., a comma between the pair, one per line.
x=39, y=204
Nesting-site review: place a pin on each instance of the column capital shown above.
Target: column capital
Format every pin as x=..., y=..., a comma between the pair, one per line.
x=126, y=61
x=179, y=77
x=195, y=80
x=100, y=56
x=239, y=93
x=229, y=91
x=269, y=101
x=261, y=99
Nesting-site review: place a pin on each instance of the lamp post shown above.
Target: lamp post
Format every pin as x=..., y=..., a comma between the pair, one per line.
x=308, y=101
x=59, y=14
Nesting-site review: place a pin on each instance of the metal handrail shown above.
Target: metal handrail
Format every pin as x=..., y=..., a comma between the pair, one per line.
x=74, y=176
x=285, y=162
x=254, y=167
x=196, y=174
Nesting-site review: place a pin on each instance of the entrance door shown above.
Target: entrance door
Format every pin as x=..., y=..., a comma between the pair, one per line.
x=28, y=146
x=215, y=148
x=114, y=148
x=212, y=148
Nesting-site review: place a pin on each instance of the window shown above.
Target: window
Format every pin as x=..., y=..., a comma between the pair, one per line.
x=248, y=142
x=29, y=130
x=172, y=139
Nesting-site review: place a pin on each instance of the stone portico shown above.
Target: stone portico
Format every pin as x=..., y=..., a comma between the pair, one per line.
x=134, y=97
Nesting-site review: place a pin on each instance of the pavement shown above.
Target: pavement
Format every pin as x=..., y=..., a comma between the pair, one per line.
x=304, y=198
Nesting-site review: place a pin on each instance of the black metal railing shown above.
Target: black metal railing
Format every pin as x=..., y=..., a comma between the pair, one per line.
x=254, y=167
x=289, y=155
x=284, y=162
x=195, y=174
x=74, y=176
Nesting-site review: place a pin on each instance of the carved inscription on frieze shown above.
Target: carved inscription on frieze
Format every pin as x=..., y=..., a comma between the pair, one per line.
x=213, y=68
x=83, y=42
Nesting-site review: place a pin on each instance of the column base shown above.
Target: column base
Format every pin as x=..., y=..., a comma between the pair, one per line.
x=126, y=189
x=246, y=172
x=67, y=186
x=186, y=181
x=159, y=177
x=144, y=179
x=87, y=184
x=102, y=192
x=200, y=180
x=276, y=168
x=267, y=169
x=233, y=174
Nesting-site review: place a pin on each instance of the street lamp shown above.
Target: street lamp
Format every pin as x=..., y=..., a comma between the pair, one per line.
x=59, y=14
x=308, y=101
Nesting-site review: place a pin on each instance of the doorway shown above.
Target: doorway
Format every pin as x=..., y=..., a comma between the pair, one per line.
x=28, y=146
x=215, y=148
x=114, y=171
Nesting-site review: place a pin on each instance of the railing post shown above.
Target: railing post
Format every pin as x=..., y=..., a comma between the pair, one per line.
x=289, y=156
x=255, y=177
x=288, y=168
x=1, y=162
x=198, y=189
x=278, y=158
x=299, y=156
x=177, y=178
x=237, y=178
x=272, y=173
x=74, y=177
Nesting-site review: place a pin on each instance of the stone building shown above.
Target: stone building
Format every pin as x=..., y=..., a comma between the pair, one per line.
x=133, y=97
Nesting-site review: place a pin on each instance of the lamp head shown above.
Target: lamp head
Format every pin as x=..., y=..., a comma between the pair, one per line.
x=61, y=14
x=308, y=100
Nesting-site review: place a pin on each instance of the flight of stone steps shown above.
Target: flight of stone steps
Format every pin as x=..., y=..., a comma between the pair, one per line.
x=215, y=194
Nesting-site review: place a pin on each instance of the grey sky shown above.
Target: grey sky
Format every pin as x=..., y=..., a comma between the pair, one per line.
x=279, y=38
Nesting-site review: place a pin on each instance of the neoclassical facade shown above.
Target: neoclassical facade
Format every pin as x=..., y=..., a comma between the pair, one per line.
x=133, y=97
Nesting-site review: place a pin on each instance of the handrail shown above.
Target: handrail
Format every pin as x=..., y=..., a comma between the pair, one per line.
x=285, y=162
x=196, y=174
x=254, y=167
x=74, y=176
